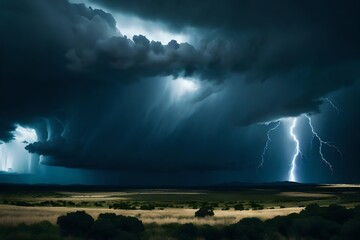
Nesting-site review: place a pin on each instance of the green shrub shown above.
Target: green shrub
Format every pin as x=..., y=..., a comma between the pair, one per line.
x=127, y=224
x=147, y=207
x=122, y=205
x=250, y=228
x=256, y=206
x=75, y=224
x=204, y=211
x=239, y=207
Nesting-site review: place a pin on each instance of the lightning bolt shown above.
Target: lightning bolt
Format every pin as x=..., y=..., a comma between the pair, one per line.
x=321, y=143
x=267, y=143
x=332, y=105
x=292, y=174
x=297, y=152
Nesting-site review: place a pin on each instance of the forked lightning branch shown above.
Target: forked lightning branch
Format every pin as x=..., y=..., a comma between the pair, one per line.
x=297, y=151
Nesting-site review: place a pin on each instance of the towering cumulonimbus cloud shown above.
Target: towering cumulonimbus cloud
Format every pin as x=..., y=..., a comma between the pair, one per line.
x=36, y=36
x=70, y=65
x=295, y=46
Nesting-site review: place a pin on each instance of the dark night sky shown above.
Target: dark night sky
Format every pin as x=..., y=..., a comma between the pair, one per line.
x=178, y=92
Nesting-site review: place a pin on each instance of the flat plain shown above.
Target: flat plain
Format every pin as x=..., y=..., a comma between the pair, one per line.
x=31, y=204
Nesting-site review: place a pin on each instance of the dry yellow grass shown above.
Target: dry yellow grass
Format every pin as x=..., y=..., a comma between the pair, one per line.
x=341, y=186
x=140, y=192
x=112, y=196
x=307, y=195
x=12, y=215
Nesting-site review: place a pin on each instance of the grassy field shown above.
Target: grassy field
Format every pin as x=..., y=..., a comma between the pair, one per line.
x=13, y=215
x=29, y=204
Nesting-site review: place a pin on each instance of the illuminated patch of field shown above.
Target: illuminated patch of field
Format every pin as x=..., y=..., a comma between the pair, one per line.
x=306, y=195
x=123, y=195
x=89, y=194
x=83, y=198
x=340, y=186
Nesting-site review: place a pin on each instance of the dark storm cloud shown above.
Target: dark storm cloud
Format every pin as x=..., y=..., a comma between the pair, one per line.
x=64, y=65
x=244, y=15
x=36, y=36
x=273, y=35
x=309, y=47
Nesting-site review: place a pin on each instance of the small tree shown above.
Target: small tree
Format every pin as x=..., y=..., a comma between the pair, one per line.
x=249, y=228
x=239, y=207
x=256, y=206
x=110, y=225
x=130, y=224
x=204, y=211
x=76, y=223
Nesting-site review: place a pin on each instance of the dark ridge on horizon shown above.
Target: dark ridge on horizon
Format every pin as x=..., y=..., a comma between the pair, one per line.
x=224, y=184
x=4, y=187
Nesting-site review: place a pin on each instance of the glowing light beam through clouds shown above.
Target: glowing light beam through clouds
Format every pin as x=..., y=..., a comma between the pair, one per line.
x=14, y=158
